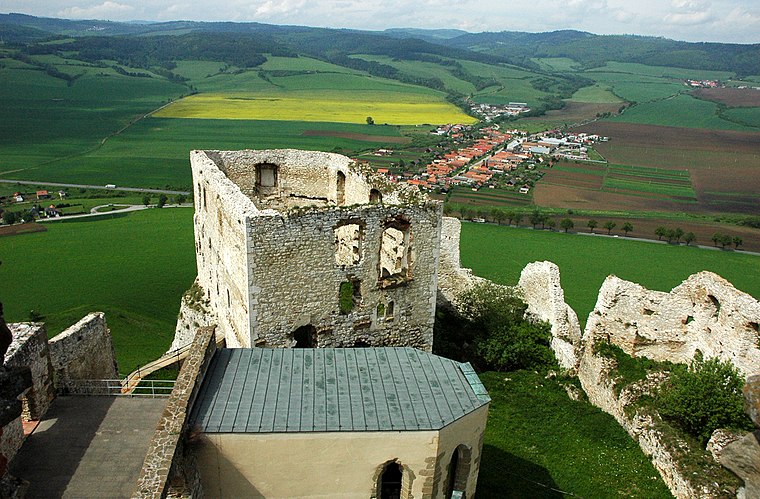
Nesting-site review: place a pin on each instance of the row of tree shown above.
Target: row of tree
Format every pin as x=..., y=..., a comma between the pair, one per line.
x=674, y=234
x=726, y=240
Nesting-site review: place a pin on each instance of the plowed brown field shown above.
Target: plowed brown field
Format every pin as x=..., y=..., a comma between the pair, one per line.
x=732, y=97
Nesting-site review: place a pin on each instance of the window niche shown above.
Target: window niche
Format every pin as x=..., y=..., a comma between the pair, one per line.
x=395, y=253
x=266, y=179
x=348, y=241
x=349, y=295
x=340, y=189
x=375, y=197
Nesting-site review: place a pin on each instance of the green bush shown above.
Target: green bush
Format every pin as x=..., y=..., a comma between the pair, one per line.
x=704, y=398
x=492, y=332
x=346, y=297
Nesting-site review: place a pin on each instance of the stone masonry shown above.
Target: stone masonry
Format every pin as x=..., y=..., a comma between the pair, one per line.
x=298, y=248
x=84, y=351
x=30, y=349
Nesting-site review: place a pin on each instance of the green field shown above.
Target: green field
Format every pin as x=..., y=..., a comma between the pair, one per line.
x=596, y=94
x=652, y=180
x=500, y=254
x=155, y=151
x=748, y=116
x=680, y=111
x=424, y=70
x=539, y=442
x=134, y=268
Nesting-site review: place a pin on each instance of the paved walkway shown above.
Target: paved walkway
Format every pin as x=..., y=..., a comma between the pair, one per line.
x=88, y=447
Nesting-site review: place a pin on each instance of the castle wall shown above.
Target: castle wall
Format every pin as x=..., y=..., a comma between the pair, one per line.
x=296, y=279
x=84, y=351
x=30, y=349
x=704, y=313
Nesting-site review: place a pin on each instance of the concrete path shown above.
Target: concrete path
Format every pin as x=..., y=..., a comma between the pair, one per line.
x=88, y=447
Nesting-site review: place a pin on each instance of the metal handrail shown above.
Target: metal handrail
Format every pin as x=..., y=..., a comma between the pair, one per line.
x=113, y=387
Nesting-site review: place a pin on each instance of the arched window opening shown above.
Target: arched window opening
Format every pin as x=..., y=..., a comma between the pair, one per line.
x=361, y=344
x=459, y=471
x=340, y=196
x=305, y=337
x=390, y=481
x=375, y=197
x=348, y=241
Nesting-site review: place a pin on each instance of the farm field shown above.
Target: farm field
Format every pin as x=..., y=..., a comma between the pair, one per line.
x=723, y=166
x=500, y=254
x=154, y=152
x=132, y=267
x=732, y=97
x=424, y=70
x=335, y=106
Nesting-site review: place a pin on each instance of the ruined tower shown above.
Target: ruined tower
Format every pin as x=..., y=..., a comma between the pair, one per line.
x=299, y=248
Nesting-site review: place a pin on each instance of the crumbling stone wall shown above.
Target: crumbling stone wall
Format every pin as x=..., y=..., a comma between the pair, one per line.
x=194, y=313
x=704, y=313
x=169, y=465
x=30, y=349
x=84, y=351
x=273, y=258
x=452, y=278
x=542, y=291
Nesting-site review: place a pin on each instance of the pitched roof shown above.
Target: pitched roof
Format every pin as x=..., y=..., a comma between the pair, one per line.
x=263, y=390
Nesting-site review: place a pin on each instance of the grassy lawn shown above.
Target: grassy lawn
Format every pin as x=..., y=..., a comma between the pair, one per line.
x=500, y=254
x=538, y=442
x=134, y=268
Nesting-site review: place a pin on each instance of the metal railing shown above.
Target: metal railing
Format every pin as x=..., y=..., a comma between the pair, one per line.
x=113, y=387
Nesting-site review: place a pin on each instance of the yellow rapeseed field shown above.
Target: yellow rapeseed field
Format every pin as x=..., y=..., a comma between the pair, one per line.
x=333, y=106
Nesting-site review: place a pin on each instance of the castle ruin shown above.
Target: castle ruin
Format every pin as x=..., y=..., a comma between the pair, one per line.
x=309, y=249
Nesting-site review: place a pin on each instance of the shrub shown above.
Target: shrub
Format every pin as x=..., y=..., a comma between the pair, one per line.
x=704, y=398
x=346, y=297
x=492, y=331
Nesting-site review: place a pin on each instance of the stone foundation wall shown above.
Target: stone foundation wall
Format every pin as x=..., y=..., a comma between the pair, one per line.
x=704, y=313
x=168, y=464
x=84, y=351
x=30, y=349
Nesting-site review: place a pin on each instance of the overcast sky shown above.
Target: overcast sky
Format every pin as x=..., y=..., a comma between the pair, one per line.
x=692, y=20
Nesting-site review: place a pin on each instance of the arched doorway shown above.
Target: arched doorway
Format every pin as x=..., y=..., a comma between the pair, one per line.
x=459, y=470
x=305, y=337
x=340, y=196
x=375, y=197
x=390, y=481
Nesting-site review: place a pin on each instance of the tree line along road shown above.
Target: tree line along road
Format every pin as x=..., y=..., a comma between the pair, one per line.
x=85, y=186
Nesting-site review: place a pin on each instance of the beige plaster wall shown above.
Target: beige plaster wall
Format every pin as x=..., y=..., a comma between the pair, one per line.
x=330, y=465
x=467, y=432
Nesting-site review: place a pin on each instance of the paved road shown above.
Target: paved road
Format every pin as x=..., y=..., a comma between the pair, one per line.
x=126, y=208
x=85, y=186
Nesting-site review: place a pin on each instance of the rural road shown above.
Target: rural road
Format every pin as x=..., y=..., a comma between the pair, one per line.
x=126, y=208
x=85, y=186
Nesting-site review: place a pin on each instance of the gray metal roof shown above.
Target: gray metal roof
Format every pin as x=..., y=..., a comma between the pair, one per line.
x=273, y=390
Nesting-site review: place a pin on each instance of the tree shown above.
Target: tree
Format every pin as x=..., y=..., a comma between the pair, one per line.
x=678, y=234
x=551, y=223
x=146, y=200
x=725, y=240
x=661, y=232
x=498, y=215
x=566, y=224
x=510, y=215
x=10, y=217
x=716, y=237
x=689, y=238
x=592, y=225
x=181, y=198
x=705, y=397
x=609, y=226
x=370, y=121
x=162, y=199
x=536, y=217
x=518, y=218
x=670, y=234
x=737, y=241
x=627, y=227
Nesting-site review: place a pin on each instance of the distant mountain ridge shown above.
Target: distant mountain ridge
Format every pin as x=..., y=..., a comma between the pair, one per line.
x=518, y=48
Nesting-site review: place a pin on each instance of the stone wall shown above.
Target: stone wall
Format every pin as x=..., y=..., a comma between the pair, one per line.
x=84, y=351
x=169, y=464
x=541, y=289
x=704, y=313
x=319, y=223
x=194, y=313
x=30, y=349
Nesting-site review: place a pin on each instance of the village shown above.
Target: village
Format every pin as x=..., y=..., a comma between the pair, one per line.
x=494, y=158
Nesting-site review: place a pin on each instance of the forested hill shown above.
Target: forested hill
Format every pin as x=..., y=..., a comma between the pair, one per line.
x=517, y=48
x=591, y=50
